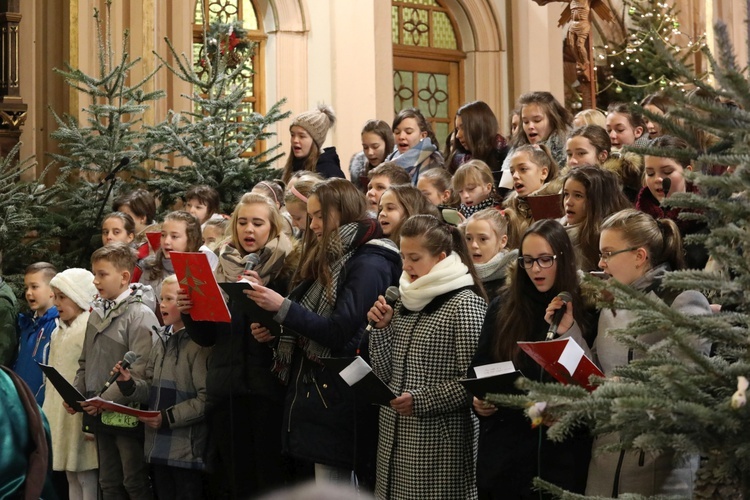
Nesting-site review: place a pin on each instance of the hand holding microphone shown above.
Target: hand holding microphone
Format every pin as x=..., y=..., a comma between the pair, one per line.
x=251, y=261
x=127, y=360
x=382, y=311
x=559, y=311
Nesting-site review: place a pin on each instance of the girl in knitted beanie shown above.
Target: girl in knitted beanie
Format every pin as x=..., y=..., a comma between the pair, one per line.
x=308, y=133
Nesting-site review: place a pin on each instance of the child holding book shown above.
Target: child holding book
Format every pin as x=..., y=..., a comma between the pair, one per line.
x=121, y=320
x=74, y=451
x=35, y=328
x=175, y=385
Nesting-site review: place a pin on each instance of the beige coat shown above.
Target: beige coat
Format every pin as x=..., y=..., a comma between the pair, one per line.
x=70, y=451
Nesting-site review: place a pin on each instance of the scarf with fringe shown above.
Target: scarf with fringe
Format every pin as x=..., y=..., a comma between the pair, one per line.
x=272, y=258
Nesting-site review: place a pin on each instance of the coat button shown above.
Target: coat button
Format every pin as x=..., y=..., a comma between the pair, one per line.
x=325, y=386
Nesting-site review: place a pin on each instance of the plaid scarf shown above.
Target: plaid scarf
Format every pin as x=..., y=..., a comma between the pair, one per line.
x=316, y=299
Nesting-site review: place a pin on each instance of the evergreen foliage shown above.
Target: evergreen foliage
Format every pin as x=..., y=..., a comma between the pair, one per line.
x=92, y=151
x=670, y=397
x=217, y=137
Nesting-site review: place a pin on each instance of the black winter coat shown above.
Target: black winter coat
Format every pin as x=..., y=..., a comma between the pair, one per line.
x=328, y=164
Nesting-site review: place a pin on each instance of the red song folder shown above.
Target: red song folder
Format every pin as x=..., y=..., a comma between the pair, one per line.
x=195, y=276
x=563, y=359
x=548, y=206
x=154, y=239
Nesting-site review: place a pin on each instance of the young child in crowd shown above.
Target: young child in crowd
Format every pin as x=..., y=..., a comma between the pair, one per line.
x=295, y=200
x=141, y=206
x=381, y=178
x=214, y=232
x=416, y=144
x=377, y=143
x=175, y=385
x=653, y=194
x=589, y=117
x=35, y=328
x=590, y=195
x=625, y=126
x=436, y=185
x=121, y=320
x=658, y=104
x=118, y=226
x=486, y=234
x=474, y=184
x=73, y=451
x=309, y=131
x=534, y=173
x=204, y=203
x=8, y=324
x=180, y=232
x=397, y=204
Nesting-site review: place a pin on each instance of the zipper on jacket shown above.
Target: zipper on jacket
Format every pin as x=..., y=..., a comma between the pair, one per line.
x=315, y=382
x=294, y=399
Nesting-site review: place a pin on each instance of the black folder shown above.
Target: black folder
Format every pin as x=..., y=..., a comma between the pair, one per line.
x=256, y=313
x=69, y=393
x=370, y=388
x=502, y=383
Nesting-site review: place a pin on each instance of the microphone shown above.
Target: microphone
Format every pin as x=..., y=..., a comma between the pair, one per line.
x=123, y=163
x=666, y=183
x=127, y=360
x=391, y=296
x=557, y=317
x=252, y=260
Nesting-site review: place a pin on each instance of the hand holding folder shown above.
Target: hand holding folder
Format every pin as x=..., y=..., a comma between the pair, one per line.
x=359, y=375
x=495, y=378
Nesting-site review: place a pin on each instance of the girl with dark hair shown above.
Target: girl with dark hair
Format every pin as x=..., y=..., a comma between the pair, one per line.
x=345, y=266
x=590, y=195
x=421, y=347
x=397, y=204
x=377, y=143
x=637, y=250
x=625, y=126
x=658, y=104
x=477, y=132
x=510, y=452
x=416, y=144
x=653, y=194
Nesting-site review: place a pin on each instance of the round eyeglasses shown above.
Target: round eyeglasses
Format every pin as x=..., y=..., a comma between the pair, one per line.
x=605, y=256
x=545, y=261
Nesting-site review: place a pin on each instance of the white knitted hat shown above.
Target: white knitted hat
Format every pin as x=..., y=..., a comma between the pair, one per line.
x=77, y=284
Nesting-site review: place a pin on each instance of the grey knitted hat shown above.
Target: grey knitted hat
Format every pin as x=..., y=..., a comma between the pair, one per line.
x=316, y=122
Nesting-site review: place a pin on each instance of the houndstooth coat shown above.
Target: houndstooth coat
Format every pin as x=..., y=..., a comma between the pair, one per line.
x=430, y=454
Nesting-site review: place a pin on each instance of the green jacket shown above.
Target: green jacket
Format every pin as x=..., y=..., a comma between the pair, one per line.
x=8, y=324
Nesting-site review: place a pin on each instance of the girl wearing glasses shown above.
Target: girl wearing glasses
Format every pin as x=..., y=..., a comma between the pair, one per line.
x=638, y=250
x=510, y=454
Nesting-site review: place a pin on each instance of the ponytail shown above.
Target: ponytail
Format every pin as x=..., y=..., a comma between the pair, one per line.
x=672, y=251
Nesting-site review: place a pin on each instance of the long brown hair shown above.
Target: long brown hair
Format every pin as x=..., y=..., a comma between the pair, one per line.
x=480, y=131
x=194, y=240
x=559, y=117
x=336, y=197
x=512, y=323
x=440, y=237
x=413, y=202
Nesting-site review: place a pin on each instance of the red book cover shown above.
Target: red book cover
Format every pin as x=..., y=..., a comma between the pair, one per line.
x=154, y=239
x=563, y=359
x=127, y=410
x=548, y=206
x=195, y=276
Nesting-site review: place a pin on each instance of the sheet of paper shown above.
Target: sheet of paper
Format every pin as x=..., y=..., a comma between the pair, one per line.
x=571, y=356
x=356, y=371
x=494, y=369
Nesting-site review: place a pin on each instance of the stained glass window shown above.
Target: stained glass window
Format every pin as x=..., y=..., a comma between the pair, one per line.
x=427, y=61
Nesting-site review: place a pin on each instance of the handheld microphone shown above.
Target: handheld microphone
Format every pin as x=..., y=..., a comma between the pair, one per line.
x=252, y=260
x=127, y=360
x=391, y=296
x=666, y=183
x=557, y=317
x=123, y=163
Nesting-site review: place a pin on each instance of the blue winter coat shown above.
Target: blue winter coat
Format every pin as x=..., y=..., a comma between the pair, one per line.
x=33, y=348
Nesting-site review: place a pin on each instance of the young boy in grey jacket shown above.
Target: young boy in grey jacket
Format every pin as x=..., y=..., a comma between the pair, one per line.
x=121, y=320
x=174, y=384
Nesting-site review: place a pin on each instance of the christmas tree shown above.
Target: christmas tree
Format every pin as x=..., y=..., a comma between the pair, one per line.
x=671, y=398
x=110, y=141
x=219, y=135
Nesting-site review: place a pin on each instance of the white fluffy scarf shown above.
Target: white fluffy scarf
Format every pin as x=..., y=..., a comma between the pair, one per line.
x=447, y=275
